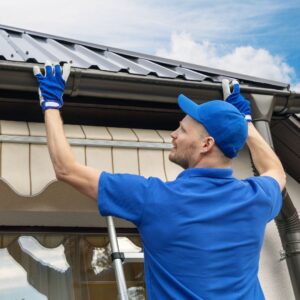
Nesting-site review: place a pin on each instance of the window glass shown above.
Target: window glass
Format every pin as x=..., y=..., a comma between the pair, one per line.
x=65, y=267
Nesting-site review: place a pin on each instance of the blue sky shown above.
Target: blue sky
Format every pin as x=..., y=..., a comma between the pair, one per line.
x=260, y=38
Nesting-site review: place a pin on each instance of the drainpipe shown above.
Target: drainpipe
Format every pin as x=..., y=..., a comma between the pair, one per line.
x=288, y=223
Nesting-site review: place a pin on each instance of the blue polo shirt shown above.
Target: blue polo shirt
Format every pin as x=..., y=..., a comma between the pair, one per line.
x=202, y=233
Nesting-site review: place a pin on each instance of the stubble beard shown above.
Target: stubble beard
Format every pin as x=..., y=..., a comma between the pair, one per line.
x=181, y=161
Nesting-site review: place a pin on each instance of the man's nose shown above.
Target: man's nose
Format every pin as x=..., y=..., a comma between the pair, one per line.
x=174, y=134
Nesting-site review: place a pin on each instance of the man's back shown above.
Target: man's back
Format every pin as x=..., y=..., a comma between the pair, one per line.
x=209, y=136
x=202, y=233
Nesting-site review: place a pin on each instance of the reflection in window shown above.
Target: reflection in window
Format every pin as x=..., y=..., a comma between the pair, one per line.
x=101, y=256
x=13, y=279
x=65, y=267
x=53, y=258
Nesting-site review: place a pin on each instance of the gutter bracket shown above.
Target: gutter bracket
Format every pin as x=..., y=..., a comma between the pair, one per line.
x=262, y=107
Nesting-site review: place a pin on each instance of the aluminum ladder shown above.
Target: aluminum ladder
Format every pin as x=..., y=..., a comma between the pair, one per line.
x=118, y=258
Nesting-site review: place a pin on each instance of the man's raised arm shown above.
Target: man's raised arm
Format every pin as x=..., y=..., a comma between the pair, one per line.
x=265, y=160
x=51, y=88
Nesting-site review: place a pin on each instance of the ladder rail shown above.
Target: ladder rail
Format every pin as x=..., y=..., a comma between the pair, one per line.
x=117, y=261
x=134, y=257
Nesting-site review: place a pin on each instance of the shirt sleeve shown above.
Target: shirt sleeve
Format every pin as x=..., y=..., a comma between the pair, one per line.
x=123, y=196
x=272, y=189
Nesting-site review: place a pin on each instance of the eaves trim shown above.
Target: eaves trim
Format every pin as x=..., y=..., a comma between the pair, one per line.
x=109, y=85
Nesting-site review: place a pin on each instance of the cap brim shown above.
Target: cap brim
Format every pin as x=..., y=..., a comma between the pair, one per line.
x=188, y=106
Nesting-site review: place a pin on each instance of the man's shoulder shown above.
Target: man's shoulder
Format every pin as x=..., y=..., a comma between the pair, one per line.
x=130, y=177
x=265, y=185
x=263, y=181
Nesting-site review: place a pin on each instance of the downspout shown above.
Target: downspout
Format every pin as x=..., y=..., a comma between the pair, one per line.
x=288, y=223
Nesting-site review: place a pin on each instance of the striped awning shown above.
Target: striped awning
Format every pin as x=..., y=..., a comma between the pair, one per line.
x=27, y=179
x=26, y=166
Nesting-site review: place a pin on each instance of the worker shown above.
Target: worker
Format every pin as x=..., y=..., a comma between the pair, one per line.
x=202, y=233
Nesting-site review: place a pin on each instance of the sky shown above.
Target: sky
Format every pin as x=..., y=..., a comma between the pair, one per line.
x=259, y=38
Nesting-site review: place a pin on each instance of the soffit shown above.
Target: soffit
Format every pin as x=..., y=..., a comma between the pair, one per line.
x=286, y=139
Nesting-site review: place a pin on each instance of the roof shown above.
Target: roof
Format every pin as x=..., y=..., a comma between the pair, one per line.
x=21, y=45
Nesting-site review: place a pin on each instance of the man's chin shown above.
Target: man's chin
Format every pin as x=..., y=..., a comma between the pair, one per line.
x=176, y=161
x=172, y=157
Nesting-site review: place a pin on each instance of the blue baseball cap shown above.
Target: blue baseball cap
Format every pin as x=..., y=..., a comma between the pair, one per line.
x=222, y=121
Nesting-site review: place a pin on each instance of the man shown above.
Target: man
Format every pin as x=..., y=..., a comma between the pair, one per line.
x=203, y=232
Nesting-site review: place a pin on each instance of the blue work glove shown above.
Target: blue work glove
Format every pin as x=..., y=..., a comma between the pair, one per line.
x=52, y=84
x=236, y=99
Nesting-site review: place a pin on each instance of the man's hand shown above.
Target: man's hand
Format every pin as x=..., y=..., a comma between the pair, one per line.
x=264, y=158
x=52, y=84
x=236, y=99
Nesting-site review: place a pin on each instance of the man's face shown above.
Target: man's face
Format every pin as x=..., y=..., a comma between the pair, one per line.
x=187, y=142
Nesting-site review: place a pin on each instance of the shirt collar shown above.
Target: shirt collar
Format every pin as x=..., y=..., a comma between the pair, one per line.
x=206, y=172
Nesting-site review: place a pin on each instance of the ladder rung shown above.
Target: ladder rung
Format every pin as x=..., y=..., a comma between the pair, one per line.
x=134, y=257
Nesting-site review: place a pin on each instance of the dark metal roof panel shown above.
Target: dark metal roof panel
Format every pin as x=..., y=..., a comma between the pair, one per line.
x=29, y=46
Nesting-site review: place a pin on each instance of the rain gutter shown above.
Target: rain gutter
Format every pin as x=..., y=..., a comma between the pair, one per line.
x=110, y=85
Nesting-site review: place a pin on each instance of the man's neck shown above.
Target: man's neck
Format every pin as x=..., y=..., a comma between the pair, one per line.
x=212, y=162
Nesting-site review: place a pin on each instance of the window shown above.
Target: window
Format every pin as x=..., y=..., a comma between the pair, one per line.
x=65, y=267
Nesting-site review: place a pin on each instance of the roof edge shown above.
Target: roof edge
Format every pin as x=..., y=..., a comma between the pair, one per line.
x=154, y=58
x=101, y=84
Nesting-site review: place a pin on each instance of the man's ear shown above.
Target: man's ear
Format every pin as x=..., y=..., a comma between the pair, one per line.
x=207, y=143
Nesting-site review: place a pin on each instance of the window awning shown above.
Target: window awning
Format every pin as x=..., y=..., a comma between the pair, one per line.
x=30, y=193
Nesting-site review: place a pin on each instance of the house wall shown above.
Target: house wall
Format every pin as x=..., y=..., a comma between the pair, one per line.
x=273, y=273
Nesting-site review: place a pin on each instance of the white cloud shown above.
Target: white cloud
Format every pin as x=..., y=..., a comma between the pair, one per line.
x=296, y=87
x=54, y=258
x=244, y=59
x=139, y=24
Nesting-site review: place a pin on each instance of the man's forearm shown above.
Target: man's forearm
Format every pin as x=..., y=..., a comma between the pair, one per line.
x=263, y=156
x=59, y=148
